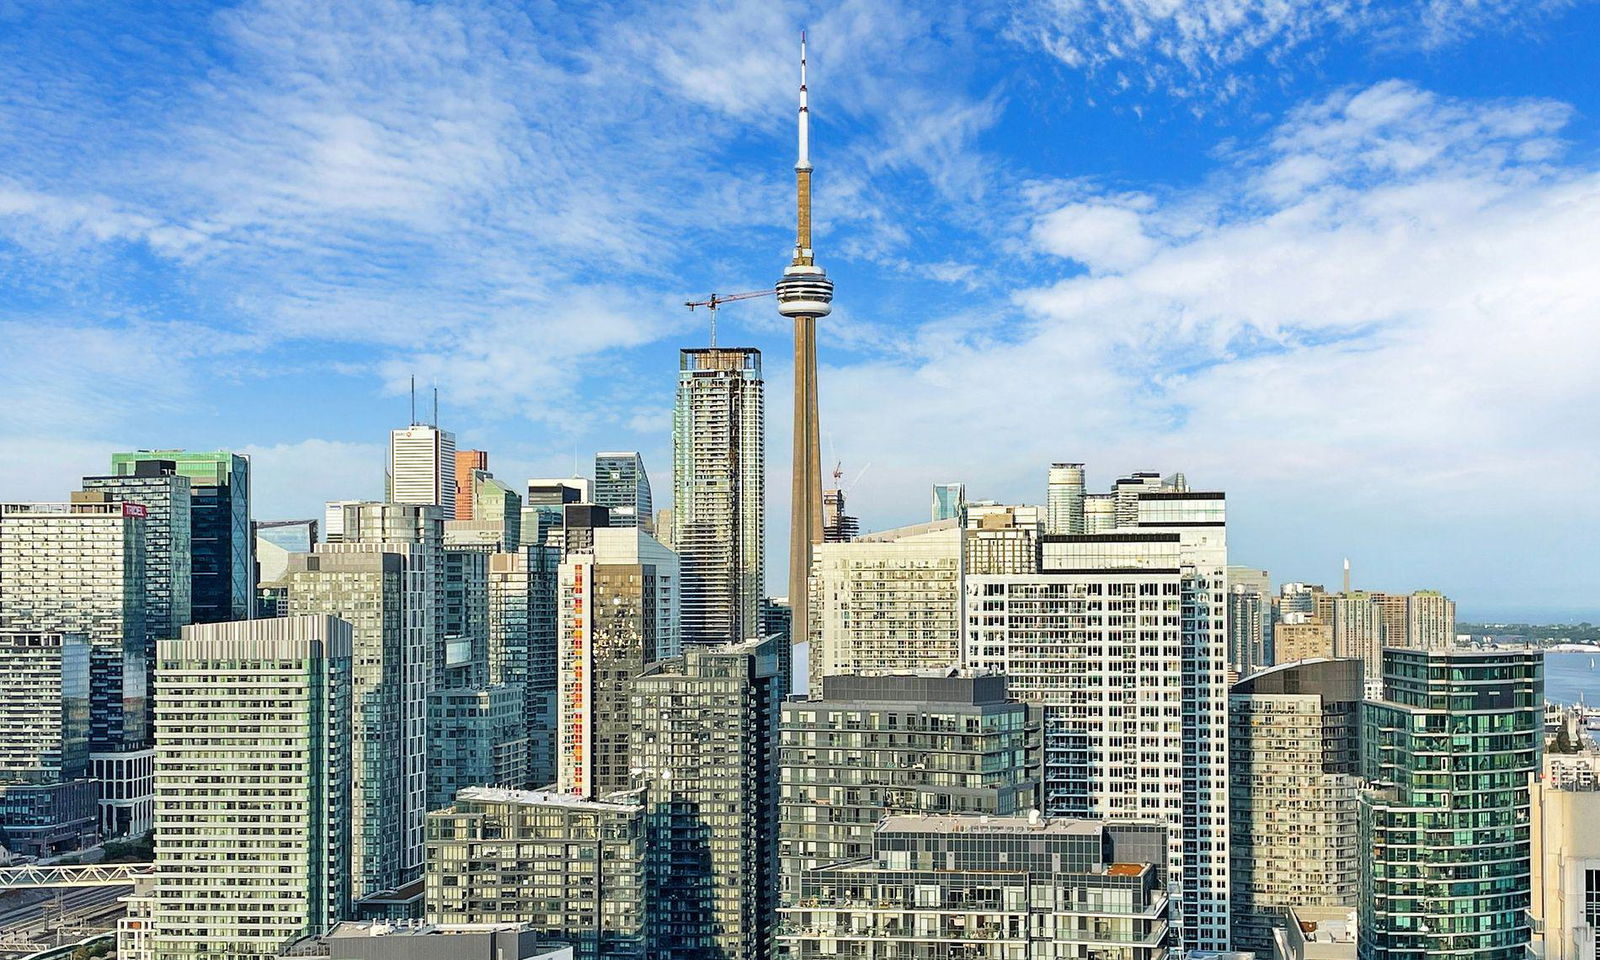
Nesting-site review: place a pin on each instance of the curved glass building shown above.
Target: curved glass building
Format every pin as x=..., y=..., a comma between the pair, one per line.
x=1448, y=753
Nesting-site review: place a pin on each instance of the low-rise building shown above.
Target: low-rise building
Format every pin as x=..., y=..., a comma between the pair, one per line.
x=571, y=868
x=419, y=940
x=869, y=747
x=989, y=888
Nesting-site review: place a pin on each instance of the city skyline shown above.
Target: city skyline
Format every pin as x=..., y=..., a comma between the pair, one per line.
x=991, y=214
x=1228, y=337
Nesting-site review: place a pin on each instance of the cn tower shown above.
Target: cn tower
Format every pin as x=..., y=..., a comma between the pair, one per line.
x=804, y=293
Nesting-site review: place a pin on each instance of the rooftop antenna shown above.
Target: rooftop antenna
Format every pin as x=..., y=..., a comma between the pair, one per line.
x=1347, y=576
x=413, y=399
x=436, y=406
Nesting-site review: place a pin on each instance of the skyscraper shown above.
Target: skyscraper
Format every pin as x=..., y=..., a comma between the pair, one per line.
x=1448, y=753
x=168, y=554
x=1566, y=856
x=79, y=568
x=1099, y=513
x=572, y=868
x=468, y=463
x=1359, y=630
x=252, y=786
x=1121, y=638
x=1294, y=736
x=704, y=735
x=495, y=513
x=522, y=644
x=887, y=602
x=368, y=590
x=719, y=476
x=619, y=599
x=422, y=467
x=545, y=506
x=1064, y=499
x=837, y=525
x=805, y=294
x=621, y=484
x=47, y=801
x=989, y=888
x=222, y=545
x=1430, y=621
x=948, y=499
x=1249, y=619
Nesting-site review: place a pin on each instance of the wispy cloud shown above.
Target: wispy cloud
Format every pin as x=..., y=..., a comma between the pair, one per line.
x=1219, y=49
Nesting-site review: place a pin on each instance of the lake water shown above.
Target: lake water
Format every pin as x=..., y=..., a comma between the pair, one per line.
x=1569, y=677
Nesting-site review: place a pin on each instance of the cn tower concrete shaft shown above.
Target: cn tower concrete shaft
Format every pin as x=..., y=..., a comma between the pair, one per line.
x=805, y=505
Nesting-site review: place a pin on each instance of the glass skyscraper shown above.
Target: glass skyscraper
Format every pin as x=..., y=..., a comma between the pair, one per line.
x=1445, y=819
x=948, y=499
x=223, y=568
x=168, y=553
x=621, y=484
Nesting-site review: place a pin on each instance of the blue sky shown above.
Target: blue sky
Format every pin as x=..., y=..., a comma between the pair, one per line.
x=1336, y=258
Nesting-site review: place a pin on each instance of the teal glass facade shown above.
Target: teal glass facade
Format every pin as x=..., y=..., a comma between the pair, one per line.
x=1448, y=753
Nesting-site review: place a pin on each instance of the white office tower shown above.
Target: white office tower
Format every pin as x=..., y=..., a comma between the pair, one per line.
x=719, y=500
x=422, y=467
x=386, y=577
x=1121, y=638
x=1064, y=499
x=253, y=782
x=887, y=602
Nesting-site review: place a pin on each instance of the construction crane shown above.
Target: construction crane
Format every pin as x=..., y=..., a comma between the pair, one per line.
x=714, y=301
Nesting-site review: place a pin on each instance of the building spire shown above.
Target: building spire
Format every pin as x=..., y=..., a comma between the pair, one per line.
x=802, y=171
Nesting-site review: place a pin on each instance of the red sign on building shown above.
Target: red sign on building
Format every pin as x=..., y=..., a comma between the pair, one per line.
x=135, y=510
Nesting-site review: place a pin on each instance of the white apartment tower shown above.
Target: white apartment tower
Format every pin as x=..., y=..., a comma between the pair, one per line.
x=887, y=602
x=253, y=781
x=422, y=467
x=386, y=577
x=1064, y=499
x=1121, y=638
x=79, y=568
x=1430, y=620
x=719, y=475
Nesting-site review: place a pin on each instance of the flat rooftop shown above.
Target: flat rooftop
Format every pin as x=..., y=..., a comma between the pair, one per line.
x=980, y=824
x=614, y=803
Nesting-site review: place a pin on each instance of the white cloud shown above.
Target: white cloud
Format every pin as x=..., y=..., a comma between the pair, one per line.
x=1209, y=48
x=1102, y=236
x=1409, y=329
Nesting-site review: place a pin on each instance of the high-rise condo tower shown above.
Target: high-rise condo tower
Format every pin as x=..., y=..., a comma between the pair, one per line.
x=805, y=294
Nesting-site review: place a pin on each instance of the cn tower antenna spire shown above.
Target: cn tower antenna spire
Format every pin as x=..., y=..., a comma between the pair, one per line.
x=804, y=163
